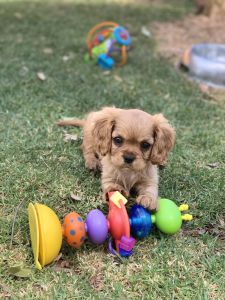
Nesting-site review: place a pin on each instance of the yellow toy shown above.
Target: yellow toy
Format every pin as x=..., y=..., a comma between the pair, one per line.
x=46, y=234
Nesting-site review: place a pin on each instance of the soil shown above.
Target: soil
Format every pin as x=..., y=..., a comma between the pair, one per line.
x=174, y=38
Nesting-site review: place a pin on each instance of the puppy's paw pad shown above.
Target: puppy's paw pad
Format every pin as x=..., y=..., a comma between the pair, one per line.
x=147, y=201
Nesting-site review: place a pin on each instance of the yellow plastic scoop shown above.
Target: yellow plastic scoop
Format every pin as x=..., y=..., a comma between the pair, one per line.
x=45, y=233
x=34, y=234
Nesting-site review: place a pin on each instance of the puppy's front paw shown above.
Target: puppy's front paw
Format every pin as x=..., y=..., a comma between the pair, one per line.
x=148, y=202
x=113, y=188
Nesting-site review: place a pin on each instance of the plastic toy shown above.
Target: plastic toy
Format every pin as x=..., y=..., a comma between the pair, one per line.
x=119, y=225
x=73, y=230
x=168, y=218
x=46, y=231
x=97, y=226
x=206, y=63
x=105, y=41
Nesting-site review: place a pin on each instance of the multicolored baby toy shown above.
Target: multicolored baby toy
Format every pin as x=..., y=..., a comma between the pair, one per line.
x=47, y=233
x=105, y=41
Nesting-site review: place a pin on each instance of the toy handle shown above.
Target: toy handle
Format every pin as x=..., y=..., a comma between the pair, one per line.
x=153, y=218
x=94, y=29
x=110, y=247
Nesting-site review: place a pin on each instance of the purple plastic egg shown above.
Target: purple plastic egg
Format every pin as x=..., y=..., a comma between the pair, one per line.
x=97, y=226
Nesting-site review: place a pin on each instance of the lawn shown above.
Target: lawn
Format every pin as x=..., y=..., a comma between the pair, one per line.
x=38, y=165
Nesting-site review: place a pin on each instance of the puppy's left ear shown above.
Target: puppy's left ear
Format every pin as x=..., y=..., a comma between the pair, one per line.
x=164, y=138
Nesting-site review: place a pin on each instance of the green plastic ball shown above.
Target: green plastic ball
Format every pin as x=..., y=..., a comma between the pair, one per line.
x=168, y=217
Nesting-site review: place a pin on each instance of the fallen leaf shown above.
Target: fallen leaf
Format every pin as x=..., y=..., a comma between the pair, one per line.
x=145, y=32
x=20, y=271
x=41, y=76
x=70, y=137
x=65, y=58
x=18, y=15
x=15, y=269
x=23, y=273
x=23, y=71
x=118, y=78
x=106, y=72
x=213, y=165
x=75, y=197
x=47, y=51
x=19, y=39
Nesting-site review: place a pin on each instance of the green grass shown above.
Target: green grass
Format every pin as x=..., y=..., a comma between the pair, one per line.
x=37, y=165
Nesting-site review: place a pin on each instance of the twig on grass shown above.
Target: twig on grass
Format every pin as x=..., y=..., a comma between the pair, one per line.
x=14, y=221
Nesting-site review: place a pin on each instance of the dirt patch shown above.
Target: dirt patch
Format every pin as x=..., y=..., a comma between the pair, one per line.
x=174, y=38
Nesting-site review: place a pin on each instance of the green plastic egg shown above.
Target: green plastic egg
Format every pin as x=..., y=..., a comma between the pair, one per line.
x=168, y=217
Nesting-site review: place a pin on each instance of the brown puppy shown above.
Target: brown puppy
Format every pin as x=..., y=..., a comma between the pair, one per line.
x=127, y=145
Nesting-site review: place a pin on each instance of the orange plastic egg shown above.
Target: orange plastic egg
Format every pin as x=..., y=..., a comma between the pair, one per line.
x=74, y=230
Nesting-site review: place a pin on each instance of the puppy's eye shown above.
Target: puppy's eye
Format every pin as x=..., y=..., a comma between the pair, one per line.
x=118, y=140
x=145, y=146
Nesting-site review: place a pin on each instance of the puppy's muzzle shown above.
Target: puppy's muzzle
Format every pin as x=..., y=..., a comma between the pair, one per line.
x=129, y=158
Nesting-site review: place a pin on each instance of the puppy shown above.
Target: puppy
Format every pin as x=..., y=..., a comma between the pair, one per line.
x=127, y=145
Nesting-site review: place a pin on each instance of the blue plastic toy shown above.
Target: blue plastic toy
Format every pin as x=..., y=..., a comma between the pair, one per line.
x=168, y=219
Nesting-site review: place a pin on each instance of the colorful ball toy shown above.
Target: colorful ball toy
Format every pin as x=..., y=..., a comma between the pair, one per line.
x=106, y=42
x=46, y=231
x=168, y=218
x=73, y=230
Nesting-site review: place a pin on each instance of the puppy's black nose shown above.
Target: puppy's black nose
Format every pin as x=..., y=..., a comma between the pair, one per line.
x=129, y=158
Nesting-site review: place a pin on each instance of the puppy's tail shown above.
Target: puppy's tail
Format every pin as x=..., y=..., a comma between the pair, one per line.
x=71, y=122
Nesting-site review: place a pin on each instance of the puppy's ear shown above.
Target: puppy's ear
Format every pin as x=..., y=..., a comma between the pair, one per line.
x=102, y=131
x=164, y=138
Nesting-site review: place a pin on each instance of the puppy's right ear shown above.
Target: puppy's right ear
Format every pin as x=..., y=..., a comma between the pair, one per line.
x=103, y=128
